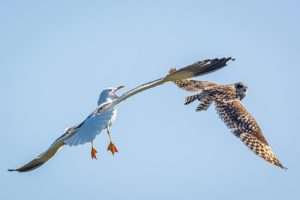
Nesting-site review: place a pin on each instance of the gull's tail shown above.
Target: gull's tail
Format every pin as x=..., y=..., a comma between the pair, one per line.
x=198, y=68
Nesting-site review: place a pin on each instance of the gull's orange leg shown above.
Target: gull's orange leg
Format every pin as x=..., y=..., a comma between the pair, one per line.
x=111, y=146
x=93, y=152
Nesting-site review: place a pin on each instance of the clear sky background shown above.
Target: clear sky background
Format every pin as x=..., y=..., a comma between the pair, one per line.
x=56, y=57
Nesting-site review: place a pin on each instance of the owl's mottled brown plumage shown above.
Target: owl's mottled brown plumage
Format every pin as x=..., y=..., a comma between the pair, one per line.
x=227, y=100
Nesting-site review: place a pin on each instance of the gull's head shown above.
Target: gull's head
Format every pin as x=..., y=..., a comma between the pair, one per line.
x=109, y=94
x=241, y=90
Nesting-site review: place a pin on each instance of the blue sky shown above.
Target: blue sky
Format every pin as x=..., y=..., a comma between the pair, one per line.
x=56, y=57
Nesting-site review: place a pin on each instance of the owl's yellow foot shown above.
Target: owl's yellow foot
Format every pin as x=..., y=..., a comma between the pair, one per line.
x=94, y=153
x=112, y=148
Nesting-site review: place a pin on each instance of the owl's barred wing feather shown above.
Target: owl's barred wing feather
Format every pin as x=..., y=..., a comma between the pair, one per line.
x=244, y=126
x=260, y=149
x=238, y=119
x=194, y=85
x=205, y=101
x=204, y=104
x=190, y=99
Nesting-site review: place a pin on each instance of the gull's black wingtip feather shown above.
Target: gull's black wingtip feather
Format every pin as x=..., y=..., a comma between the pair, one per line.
x=12, y=170
x=198, y=68
x=229, y=59
x=210, y=65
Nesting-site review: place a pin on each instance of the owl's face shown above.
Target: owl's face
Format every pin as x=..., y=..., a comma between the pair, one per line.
x=241, y=90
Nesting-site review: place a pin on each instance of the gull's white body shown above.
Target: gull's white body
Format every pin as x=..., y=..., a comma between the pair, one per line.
x=96, y=122
x=92, y=126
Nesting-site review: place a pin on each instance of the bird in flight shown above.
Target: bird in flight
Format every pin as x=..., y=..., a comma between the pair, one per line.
x=103, y=116
x=227, y=100
x=85, y=132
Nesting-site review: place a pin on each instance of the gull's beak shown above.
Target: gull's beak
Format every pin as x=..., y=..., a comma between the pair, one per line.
x=118, y=88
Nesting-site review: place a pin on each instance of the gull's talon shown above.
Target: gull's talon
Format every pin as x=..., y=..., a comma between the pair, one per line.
x=112, y=148
x=94, y=153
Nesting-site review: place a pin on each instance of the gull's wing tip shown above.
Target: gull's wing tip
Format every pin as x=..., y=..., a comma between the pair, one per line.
x=229, y=58
x=198, y=68
x=12, y=170
x=225, y=59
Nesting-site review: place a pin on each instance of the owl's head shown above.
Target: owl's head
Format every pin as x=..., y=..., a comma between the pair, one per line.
x=241, y=90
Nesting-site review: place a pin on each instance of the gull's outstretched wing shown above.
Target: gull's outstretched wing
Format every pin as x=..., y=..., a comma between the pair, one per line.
x=49, y=153
x=193, y=70
x=85, y=132
x=199, y=68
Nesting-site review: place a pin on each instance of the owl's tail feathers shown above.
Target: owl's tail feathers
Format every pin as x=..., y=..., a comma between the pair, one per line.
x=261, y=149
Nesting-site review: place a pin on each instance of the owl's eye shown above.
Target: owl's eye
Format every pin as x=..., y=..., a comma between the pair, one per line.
x=239, y=86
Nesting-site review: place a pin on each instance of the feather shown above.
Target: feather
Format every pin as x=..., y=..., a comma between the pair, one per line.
x=199, y=68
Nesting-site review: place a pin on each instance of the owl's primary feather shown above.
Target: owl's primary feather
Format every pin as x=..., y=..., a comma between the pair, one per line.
x=245, y=127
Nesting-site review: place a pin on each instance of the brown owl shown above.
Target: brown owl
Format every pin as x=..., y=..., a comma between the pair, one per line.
x=227, y=100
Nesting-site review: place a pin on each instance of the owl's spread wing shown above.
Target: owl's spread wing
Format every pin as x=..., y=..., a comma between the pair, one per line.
x=244, y=126
x=194, y=85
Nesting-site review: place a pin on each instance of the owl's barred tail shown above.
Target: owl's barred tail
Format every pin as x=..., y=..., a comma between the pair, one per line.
x=261, y=149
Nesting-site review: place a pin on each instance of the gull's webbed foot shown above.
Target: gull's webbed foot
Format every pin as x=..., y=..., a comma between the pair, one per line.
x=94, y=153
x=112, y=148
